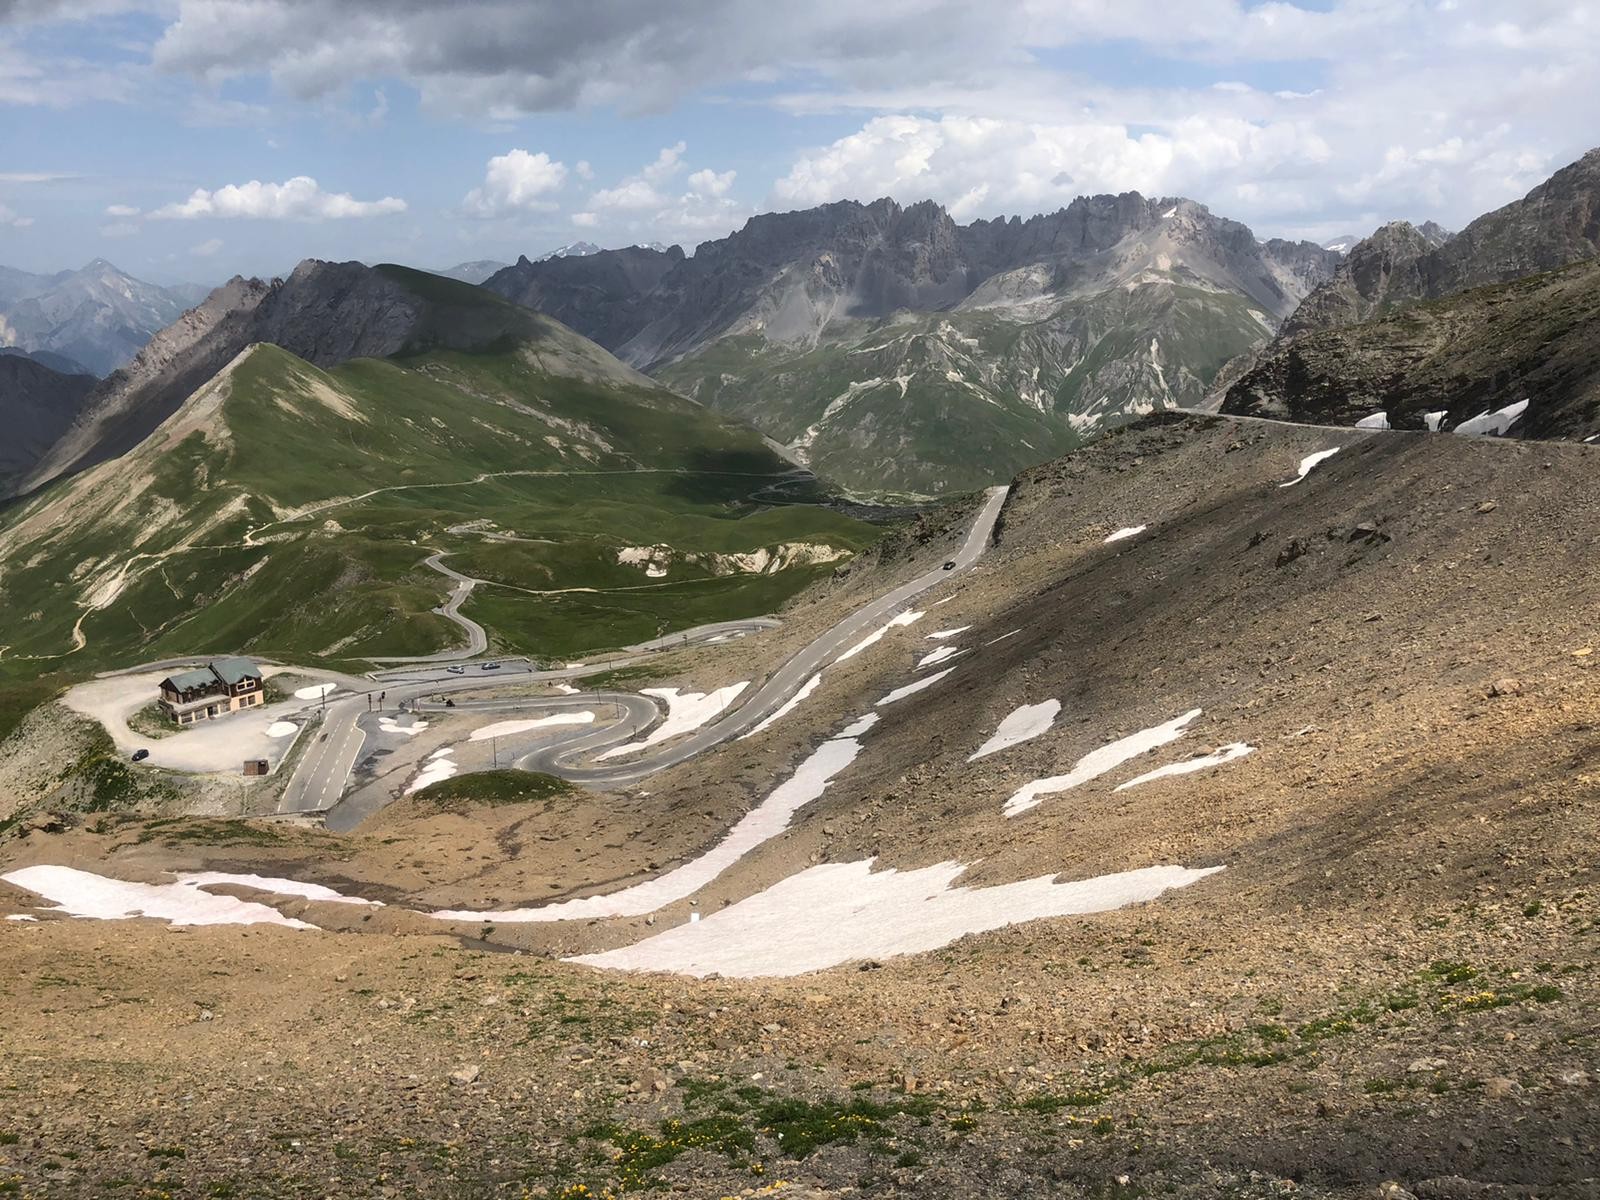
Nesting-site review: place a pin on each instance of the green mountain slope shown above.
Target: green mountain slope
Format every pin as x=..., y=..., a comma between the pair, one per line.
x=1479, y=350
x=930, y=403
x=287, y=509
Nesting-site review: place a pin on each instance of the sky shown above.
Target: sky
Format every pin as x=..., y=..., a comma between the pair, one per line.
x=197, y=139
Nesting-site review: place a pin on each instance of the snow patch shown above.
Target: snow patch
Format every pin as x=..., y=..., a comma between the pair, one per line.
x=268, y=883
x=686, y=712
x=876, y=636
x=1434, y=419
x=1025, y=724
x=1098, y=762
x=912, y=689
x=280, y=729
x=1127, y=532
x=762, y=823
x=439, y=767
x=315, y=692
x=788, y=707
x=1378, y=420
x=1216, y=758
x=839, y=912
x=390, y=725
x=1493, y=424
x=948, y=633
x=1309, y=462
x=85, y=894
x=507, y=728
x=942, y=654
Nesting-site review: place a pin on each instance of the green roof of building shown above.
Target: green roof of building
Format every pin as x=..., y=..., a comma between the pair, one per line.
x=233, y=670
x=184, y=681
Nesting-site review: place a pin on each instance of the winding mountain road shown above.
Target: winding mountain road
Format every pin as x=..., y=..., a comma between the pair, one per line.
x=320, y=779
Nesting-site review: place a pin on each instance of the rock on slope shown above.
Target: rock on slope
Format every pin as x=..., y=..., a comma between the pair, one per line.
x=899, y=350
x=37, y=405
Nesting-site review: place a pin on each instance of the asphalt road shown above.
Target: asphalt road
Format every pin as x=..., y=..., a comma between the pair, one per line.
x=324, y=770
x=330, y=755
x=477, y=639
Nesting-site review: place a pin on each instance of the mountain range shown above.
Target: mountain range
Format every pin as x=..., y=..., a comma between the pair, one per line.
x=95, y=319
x=896, y=350
x=268, y=471
x=1413, y=322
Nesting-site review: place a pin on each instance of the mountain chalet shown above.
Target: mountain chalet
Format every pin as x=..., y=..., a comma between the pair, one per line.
x=222, y=686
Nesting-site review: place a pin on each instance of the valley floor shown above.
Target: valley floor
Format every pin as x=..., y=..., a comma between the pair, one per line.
x=1392, y=981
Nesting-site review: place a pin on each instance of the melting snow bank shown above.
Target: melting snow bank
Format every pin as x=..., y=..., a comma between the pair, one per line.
x=938, y=656
x=788, y=707
x=837, y=912
x=948, y=633
x=390, y=725
x=439, y=767
x=912, y=689
x=506, y=728
x=1493, y=424
x=1130, y=531
x=1378, y=420
x=876, y=636
x=1026, y=723
x=1308, y=463
x=686, y=712
x=762, y=823
x=84, y=894
x=280, y=729
x=1225, y=754
x=315, y=692
x=1098, y=762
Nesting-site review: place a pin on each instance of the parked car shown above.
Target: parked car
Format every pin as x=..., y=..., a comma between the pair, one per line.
x=449, y=703
x=140, y=755
x=456, y=670
x=489, y=667
x=951, y=565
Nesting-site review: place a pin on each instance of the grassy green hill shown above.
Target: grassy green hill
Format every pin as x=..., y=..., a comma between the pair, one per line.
x=951, y=401
x=286, y=510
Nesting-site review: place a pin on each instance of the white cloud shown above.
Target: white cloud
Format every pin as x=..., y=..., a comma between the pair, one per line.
x=206, y=248
x=710, y=183
x=516, y=181
x=983, y=166
x=298, y=199
x=121, y=210
x=585, y=220
x=9, y=216
x=583, y=170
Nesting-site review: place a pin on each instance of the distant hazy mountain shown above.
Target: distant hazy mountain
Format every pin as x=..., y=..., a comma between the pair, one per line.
x=473, y=272
x=99, y=316
x=56, y=362
x=895, y=350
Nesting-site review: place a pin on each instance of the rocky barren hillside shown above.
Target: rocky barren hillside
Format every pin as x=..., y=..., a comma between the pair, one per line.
x=1414, y=322
x=1371, y=673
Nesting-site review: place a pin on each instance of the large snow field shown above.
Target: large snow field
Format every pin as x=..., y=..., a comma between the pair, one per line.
x=184, y=902
x=839, y=912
